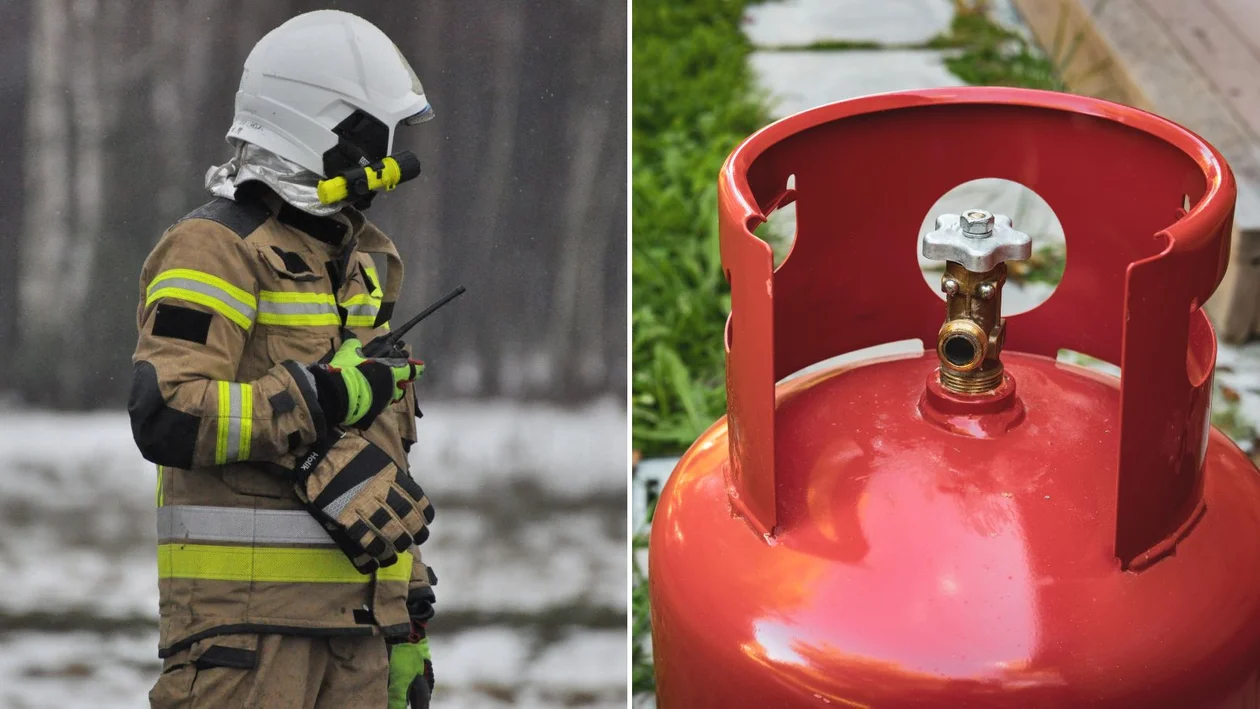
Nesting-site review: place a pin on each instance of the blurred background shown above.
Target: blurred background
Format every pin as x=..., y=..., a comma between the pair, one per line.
x=110, y=114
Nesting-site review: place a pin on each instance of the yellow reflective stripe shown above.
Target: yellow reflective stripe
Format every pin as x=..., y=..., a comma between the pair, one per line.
x=160, y=497
x=243, y=296
x=236, y=422
x=213, y=292
x=361, y=310
x=269, y=564
x=247, y=420
x=297, y=309
x=298, y=320
x=361, y=299
x=271, y=296
x=225, y=420
x=217, y=305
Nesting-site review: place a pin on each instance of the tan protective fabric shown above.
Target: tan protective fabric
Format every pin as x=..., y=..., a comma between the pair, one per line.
x=383, y=514
x=187, y=375
x=188, y=372
x=291, y=672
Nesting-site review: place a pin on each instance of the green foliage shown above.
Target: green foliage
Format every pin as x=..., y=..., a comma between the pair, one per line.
x=1044, y=266
x=828, y=45
x=992, y=55
x=642, y=679
x=693, y=103
x=1228, y=417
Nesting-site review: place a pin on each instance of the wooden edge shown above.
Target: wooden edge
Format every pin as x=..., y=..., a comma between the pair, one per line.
x=1086, y=62
x=1090, y=66
x=1235, y=307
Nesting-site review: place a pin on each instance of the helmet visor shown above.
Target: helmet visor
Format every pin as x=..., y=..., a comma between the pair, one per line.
x=425, y=114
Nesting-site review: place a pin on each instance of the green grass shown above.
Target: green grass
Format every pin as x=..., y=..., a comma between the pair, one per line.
x=992, y=55
x=1227, y=416
x=642, y=679
x=827, y=45
x=694, y=101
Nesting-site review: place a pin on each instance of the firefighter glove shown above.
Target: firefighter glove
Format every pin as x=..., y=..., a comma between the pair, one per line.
x=354, y=389
x=410, y=675
x=370, y=507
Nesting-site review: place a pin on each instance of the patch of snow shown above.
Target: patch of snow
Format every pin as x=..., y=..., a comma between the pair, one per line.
x=538, y=524
x=570, y=558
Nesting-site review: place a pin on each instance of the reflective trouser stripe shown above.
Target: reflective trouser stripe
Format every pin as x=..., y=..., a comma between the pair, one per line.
x=239, y=524
x=297, y=309
x=269, y=564
x=236, y=425
x=160, y=496
x=204, y=289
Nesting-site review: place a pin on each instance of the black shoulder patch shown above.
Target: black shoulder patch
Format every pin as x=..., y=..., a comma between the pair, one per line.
x=292, y=261
x=164, y=435
x=181, y=323
x=325, y=229
x=241, y=217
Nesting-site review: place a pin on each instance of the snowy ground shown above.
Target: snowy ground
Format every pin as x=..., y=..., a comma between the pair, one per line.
x=529, y=547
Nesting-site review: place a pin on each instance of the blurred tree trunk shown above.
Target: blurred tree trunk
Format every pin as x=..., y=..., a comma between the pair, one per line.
x=15, y=55
x=46, y=219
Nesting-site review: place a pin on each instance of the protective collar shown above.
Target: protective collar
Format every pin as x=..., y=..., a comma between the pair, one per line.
x=293, y=183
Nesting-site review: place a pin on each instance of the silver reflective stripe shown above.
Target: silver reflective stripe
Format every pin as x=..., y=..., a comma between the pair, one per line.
x=267, y=306
x=206, y=289
x=234, y=422
x=238, y=524
x=334, y=509
x=362, y=309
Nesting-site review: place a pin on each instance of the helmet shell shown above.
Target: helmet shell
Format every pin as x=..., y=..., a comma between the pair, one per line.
x=310, y=73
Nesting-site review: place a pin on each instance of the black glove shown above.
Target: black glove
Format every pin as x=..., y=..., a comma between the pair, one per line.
x=370, y=507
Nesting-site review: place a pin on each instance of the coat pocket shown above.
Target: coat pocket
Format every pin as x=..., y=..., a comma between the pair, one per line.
x=289, y=265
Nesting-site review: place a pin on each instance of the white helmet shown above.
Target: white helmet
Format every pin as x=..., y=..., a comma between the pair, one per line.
x=326, y=90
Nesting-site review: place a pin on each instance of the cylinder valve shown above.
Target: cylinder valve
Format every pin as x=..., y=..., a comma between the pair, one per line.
x=975, y=246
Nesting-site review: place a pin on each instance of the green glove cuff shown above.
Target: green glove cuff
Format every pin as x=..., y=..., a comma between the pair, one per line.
x=406, y=665
x=358, y=395
x=349, y=360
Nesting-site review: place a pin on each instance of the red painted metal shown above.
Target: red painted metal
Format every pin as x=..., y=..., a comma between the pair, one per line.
x=857, y=537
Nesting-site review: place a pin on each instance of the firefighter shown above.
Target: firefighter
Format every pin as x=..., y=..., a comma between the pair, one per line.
x=288, y=521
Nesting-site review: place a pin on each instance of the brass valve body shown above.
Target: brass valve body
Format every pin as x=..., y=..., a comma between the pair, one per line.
x=970, y=341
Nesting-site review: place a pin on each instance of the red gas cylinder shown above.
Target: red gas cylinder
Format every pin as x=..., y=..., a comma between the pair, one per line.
x=977, y=525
